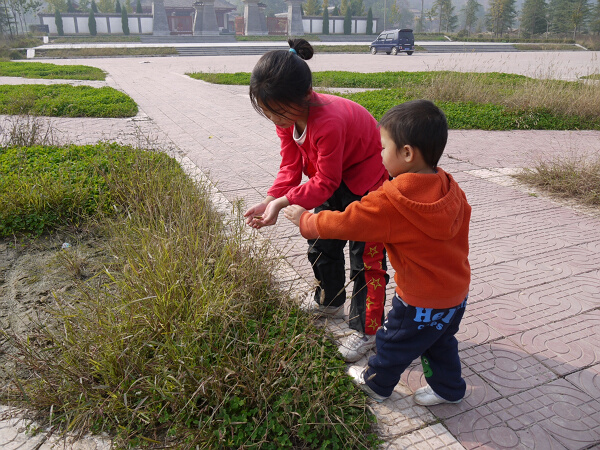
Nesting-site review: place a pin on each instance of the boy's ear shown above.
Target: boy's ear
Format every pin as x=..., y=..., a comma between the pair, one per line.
x=408, y=153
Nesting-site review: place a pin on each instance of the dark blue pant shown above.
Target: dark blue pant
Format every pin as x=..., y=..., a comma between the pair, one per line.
x=410, y=332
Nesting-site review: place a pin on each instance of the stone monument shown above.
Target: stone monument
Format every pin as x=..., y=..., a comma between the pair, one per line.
x=254, y=24
x=295, y=25
x=205, y=19
x=160, y=25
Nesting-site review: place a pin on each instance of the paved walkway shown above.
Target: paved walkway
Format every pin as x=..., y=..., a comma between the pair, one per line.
x=530, y=339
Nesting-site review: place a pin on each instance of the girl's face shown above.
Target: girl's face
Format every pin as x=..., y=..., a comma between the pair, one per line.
x=284, y=116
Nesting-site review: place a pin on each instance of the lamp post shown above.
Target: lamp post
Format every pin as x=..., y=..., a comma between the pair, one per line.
x=384, y=12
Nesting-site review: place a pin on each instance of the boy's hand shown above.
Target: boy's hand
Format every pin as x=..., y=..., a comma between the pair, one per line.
x=293, y=214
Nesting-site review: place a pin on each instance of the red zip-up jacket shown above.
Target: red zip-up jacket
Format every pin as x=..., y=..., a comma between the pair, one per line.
x=342, y=144
x=423, y=221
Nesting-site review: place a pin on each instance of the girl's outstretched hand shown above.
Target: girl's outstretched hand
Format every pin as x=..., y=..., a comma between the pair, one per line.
x=254, y=214
x=293, y=214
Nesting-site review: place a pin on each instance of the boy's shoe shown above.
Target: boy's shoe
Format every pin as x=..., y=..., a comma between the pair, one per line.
x=427, y=397
x=356, y=345
x=319, y=311
x=358, y=377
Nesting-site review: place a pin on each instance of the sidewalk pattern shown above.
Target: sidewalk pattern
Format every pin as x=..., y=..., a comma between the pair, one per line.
x=530, y=340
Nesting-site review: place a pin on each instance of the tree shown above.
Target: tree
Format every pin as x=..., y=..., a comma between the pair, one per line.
x=70, y=7
x=94, y=7
x=325, y=17
x=138, y=7
x=343, y=7
x=470, y=10
x=118, y=7
x=595, y=21
x=357, y=7
x=106, y=5
x=348, y=22
x=445, y=14
x=501, y=16
x=533, y=17
x=312, y=7
x=370, y=21
x=125, y=21
x=59, y=23
x=579, y=14
x=92, y=23
x=336, y=11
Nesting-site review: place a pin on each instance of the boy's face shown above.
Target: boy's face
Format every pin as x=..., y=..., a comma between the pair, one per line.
x=393, y=161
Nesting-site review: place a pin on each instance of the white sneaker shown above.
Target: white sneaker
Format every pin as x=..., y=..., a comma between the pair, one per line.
x=427, y=397
x=357, y=373
x=356, y=345
x=319, y=311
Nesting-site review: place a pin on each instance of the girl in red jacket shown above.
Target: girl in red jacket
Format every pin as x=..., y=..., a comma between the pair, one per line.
x=335, y=142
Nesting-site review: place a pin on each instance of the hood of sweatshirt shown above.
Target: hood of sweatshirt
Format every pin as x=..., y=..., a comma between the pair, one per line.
x=437, y=209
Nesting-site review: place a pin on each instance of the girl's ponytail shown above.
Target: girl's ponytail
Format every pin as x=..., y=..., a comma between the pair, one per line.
x=302, y=48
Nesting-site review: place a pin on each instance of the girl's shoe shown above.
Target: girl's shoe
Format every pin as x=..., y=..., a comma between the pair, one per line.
x=356, y=345
x=427, y=397
x=358, y=377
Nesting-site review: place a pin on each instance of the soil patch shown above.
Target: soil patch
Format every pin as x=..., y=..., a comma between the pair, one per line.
x=33, y=272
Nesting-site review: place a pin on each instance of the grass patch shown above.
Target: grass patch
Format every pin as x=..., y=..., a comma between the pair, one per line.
x=487, y=101
x=63, y=100
x=346, y=48
x=105, y=52
x=92, y=39
x=572, y=178
x=184, y=340
x=52, y=71
x=543, y=47
x=594, y=76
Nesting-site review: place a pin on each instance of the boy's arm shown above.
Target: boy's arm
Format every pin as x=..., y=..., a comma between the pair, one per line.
x=364, y=220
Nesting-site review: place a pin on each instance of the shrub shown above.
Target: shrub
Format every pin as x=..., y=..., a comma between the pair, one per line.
x=92, y=23
x=59, y=23
x=348, y=21
x=125, y=21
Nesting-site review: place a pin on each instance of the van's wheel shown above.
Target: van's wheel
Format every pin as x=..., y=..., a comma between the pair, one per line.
x=373, y=51
x=394, y=50
x=409, y=53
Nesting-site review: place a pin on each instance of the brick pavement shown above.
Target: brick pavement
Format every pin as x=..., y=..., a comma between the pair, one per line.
x=530, y=339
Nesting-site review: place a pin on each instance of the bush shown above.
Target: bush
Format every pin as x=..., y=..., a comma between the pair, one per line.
x=59, y=23
x=92, y=23
x=125, y=21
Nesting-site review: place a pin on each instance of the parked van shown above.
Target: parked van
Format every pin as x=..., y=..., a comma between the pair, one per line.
x=394, y=41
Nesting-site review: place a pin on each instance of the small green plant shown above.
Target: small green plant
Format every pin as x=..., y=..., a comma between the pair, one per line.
x=63, y=100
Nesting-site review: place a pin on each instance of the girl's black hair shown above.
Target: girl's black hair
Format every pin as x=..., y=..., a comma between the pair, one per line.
x=282, y=77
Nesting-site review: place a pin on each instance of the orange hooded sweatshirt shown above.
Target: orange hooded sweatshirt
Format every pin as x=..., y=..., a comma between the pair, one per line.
x=423, y=221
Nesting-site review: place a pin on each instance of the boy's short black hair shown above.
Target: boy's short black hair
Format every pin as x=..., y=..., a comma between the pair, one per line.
x=418, y=123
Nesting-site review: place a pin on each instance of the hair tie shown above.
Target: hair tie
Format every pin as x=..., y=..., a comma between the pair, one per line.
x=293, y=51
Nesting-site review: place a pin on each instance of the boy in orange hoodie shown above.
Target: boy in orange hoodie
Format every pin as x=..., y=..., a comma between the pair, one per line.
x=422, y=216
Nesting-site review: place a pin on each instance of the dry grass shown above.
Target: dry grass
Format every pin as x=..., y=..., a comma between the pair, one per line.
x=558, y=97
x=573, y=178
